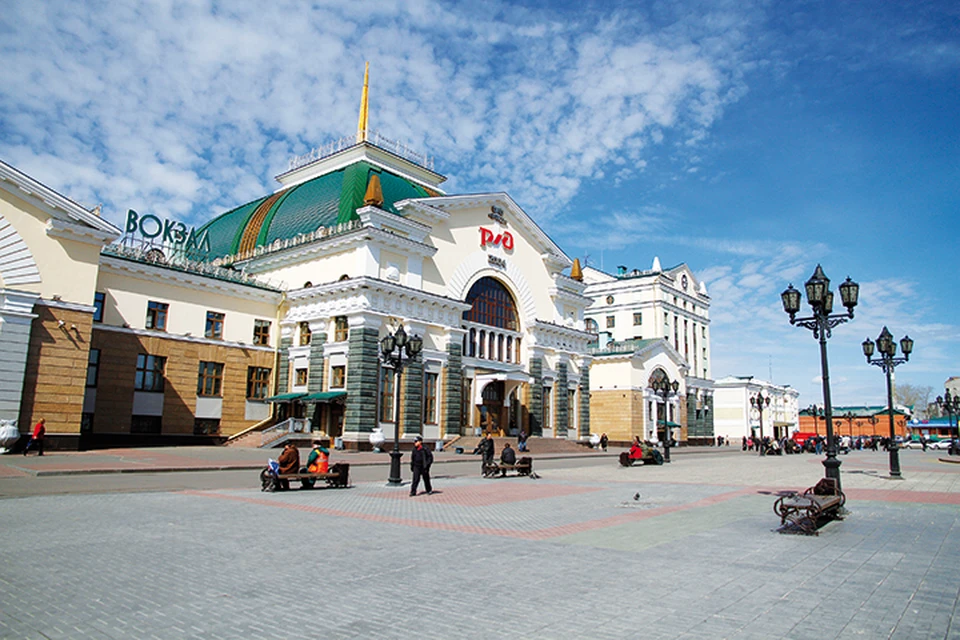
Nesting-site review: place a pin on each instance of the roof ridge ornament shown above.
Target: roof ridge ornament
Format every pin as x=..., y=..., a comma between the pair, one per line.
x=374, y=194
x=362, y=122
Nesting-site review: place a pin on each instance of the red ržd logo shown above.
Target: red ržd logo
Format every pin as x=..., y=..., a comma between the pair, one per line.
x=488, y=237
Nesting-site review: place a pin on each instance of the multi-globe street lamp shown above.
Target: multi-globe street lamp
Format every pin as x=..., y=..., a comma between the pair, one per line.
x=887, y=360
x=821, y=322
x=665, y=389
x=950, y=404
x=760, y=402
x=393, y=348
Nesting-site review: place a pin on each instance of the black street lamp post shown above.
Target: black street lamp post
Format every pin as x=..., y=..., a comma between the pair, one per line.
x=817, y=413
x=760, y=402
x=950, y=404
x=822, y=322
x=392, y=351
x=887, y=360
x=666, y=390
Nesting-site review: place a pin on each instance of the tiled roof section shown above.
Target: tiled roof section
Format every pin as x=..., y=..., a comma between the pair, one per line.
x=306, y=207
x=248, y=240
x=325, y=201
x=225, y=230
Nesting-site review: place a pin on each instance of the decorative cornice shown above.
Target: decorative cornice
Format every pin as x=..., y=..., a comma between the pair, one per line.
x=124, y=267
x=366, y=295
x=182, y=338
x=69, y=306
x=51, y=202
x=57, y=228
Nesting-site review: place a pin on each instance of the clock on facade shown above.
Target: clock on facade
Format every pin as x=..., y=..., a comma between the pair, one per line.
x=609, y=299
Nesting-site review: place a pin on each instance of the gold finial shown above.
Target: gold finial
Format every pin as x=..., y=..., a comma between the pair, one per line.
x=575, y=271
x=374, y=194
x=362, y=123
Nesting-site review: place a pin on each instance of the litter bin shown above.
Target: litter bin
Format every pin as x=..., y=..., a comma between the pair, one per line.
x=338, y=443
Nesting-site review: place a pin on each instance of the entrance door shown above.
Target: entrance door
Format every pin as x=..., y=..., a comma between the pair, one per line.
x=491, y=411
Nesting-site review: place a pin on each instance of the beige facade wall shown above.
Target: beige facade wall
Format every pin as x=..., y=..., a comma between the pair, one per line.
x=126, y=298
x=329, y=268
x=55, y=376
x=68, y=268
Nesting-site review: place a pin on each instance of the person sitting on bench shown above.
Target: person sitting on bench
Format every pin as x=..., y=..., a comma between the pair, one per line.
x=636, y=450
x=319, y=459
x=289, y=463
x=508, y=455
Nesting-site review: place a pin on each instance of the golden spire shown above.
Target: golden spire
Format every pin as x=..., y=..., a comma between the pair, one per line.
x=374, y=194
x=362, y=123
x=575, y=271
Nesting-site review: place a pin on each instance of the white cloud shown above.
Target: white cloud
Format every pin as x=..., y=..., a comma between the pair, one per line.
x=182, y=108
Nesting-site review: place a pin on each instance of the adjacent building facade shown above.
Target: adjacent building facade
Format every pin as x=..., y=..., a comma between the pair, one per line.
x=737, y=417
x=650, y=325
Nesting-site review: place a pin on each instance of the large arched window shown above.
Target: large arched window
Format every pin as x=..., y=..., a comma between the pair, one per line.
x=492, y=305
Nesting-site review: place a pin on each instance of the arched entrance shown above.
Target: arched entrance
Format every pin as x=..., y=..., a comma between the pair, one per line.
x=491, y=409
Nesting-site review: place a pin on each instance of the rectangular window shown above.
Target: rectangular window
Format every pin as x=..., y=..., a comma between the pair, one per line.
x=341, y=330
x=93, y=367
x=149, y=372
x=611, y=322
x=214, y=327
x=547, y=399
x=338, y=377
x=301, y=377
x=258, y=381
x=386, y=394
x=637, y=319
x=206, y=426
x=98, y=300
x=304, y=334
x=430, y=398
x=210, y=379
x=261, y=332
x=157, y=315
x=146, y=424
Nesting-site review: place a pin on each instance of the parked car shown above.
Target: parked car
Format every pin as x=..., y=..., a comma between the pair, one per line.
x=939, y=444
x=913, y=444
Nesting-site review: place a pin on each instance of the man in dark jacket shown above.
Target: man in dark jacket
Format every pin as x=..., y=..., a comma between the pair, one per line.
x=508, y=455
x=487, y=450
x=420, y=461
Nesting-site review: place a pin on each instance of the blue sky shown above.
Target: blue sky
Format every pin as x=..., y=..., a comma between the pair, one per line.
x=751, y=140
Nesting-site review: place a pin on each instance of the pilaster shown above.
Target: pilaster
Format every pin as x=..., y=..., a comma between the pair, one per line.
x=363, y=367
x=411, y=416
x=584, y=401
x=562, y=401
x=453, y=390
x=536, y=395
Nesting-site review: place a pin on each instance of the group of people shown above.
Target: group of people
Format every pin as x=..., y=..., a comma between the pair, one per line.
x=487, y=450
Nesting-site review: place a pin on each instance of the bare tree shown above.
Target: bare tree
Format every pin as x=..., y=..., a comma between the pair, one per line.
x=913, y=395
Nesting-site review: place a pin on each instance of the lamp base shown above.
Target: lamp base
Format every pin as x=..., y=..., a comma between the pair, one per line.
x=395, y=480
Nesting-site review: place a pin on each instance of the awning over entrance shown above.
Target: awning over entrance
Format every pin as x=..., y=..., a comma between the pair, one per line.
x=285, y=397
x=672, y=425
x=324, y=397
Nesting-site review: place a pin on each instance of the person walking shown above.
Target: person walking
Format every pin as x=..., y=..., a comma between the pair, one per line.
x=487, y=451
x=420, y=461
x=39, y=431
x=603, y=441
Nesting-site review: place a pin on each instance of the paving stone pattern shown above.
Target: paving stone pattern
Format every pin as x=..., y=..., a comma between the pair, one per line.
x=679, y=551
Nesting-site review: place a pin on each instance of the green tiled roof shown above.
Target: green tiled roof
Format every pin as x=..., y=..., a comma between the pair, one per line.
x=327, y=200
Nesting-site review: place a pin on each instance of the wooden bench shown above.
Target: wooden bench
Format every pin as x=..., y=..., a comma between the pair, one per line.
x=523, y=467
x=806, y=512
x=338, y=477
